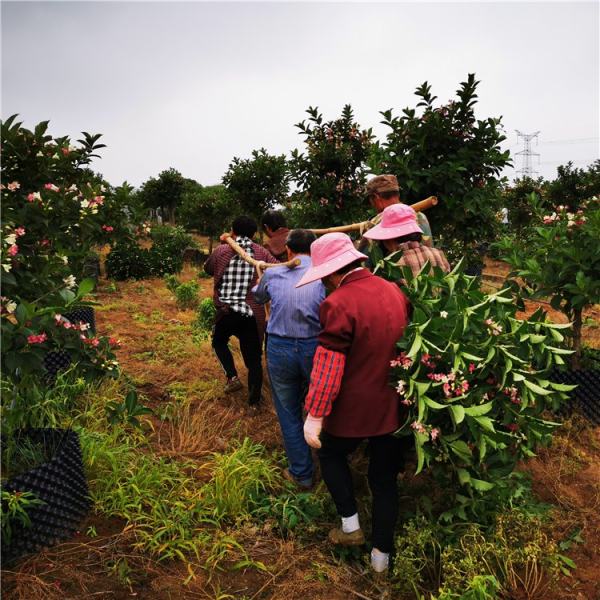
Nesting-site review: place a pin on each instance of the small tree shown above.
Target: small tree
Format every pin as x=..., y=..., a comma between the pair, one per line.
x=165, y=193
x=560, y=261
x=517, y=200
x=258, y=183
x=446, y=152
x=331, y=175
x=208, y=209
x=473, y=380
x=572, y=186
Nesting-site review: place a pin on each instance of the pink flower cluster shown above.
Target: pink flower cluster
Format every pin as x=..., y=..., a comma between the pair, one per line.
x=451, y=385
x=62, y=322
x=573, y=219
x=108, y=228
x=426, y=359
x=513, y=393
x=114, y=342
x=493, y=327
x=98, y=200
x=37, y=339
x=402, y=361
x=51, y=187
x=420, y=428
x=95, y=341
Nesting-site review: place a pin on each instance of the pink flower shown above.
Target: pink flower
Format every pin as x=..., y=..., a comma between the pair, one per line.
x=512, y=427
x=107, y=228
x=418, y=427
x=13, y=250
x=19, y=231
x=435, y=433
x=44, y=243
x=34, y=196
x=447, y=390
x=471, y=367
x=15, y=185
x=65, y=151
x=37, y=339
x=51, y=187
x=114, y=343
x=97, y=200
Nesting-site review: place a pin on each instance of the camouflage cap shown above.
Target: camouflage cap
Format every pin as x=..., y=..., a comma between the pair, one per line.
x=382, y=183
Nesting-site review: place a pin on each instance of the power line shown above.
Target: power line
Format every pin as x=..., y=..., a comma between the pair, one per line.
x=572, y=141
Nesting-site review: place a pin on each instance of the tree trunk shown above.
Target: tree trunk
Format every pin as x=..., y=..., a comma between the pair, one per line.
x=210, y=245
x=577, y=323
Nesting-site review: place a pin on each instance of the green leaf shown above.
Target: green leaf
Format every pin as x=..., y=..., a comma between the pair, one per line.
x=536, y=388
x=460, y=448
x=562, y=387
x=433, y=404
x=481, y=486
x=482, y=409
x=416, y=345
x=486, y=423
x=463, y=476
x=458, y=413
x=85, y=287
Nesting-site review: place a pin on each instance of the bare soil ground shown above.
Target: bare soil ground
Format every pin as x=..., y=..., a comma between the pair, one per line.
x=165, y=361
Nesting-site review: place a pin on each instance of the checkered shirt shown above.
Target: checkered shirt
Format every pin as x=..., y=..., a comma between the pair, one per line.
x=237, y=280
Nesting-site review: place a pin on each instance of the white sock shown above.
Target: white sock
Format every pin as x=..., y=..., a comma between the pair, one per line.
x=350, y=524
x=380, y=561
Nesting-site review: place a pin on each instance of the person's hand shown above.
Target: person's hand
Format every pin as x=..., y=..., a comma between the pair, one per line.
x=224, y=236
x=312, y=430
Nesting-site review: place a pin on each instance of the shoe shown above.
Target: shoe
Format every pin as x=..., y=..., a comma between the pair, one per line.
x=233, y=385
x=355, y=538
x=303, y=486
x=252, y=410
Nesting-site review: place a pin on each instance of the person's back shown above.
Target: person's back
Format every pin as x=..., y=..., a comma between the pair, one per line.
x=364, y=318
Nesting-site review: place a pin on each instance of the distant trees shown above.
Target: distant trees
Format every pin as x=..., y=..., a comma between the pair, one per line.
x=258, y=183
x=331, y=173
x=165, y=192
x=208, y=209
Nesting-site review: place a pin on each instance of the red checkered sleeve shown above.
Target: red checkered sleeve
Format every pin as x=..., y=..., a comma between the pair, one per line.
x=325, y=381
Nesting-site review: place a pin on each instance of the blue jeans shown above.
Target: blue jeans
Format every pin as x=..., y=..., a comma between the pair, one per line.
x=289, y=363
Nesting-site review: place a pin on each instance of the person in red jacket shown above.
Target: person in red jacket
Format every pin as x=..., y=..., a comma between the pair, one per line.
x=350, y=398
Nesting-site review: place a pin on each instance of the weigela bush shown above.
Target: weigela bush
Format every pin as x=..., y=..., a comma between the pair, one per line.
x=474, y=382
x=331, y=175
x=560, y=260
x=54, y=210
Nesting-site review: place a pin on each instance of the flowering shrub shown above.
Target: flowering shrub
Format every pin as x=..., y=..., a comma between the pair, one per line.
x=446, y=151
x=54, y=210
x=473, y=379
x=560, y=261
x=331, y=176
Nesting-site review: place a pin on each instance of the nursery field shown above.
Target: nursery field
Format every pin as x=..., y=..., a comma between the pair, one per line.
x=199, y=454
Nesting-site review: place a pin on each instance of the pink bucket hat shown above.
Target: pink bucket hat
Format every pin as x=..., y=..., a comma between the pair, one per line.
x=396, y=220
x=328, y=254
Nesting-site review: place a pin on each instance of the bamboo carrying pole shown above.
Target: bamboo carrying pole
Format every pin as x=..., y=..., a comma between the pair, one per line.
x=364, y=225
x=259, y=264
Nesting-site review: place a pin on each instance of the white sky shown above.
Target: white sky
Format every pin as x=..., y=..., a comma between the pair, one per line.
x=190, y=85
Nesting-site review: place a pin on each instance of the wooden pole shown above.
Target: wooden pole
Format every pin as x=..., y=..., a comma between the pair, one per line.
x=259, y=264
x=364, y=225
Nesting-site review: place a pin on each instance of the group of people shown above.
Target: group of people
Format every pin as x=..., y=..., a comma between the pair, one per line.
x=331, y=336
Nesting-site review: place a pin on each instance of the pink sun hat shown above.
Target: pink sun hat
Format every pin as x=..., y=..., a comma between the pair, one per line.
x=396, y=220
x=328, y=254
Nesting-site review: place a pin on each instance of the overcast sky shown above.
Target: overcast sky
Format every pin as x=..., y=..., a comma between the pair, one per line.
x=191, y=85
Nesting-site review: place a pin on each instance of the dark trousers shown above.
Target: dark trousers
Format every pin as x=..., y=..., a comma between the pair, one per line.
x=246, y=331
x=386, y=460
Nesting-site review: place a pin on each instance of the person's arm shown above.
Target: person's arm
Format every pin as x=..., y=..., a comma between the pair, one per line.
x=261, y=290
x=328, y=369
x=209, y=265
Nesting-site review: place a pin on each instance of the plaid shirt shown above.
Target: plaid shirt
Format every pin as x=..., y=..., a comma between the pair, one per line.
x=325, y=381
x=217, y=264
x=237, y=279
x=415, y=255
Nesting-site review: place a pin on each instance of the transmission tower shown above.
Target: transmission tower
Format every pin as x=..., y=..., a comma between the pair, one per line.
x=526, y=169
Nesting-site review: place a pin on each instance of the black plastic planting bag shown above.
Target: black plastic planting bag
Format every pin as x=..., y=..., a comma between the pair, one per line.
x=83, y=314
x=586, y=396
x=59, y=484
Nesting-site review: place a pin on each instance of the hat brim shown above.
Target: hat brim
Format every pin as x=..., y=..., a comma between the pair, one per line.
x=390, y=233
x=331, y=266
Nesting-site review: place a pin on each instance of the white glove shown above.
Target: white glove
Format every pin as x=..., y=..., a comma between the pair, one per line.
x=312, y=429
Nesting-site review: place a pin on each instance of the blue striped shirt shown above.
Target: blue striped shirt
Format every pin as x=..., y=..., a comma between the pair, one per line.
x=294, y=311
